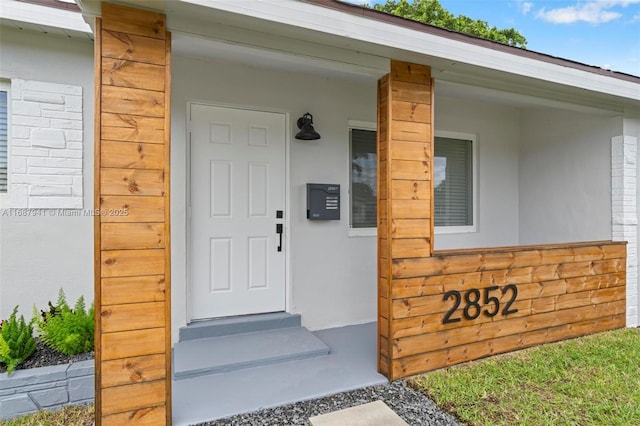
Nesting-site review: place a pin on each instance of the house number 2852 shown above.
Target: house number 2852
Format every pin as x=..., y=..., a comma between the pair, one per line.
x=473, y=302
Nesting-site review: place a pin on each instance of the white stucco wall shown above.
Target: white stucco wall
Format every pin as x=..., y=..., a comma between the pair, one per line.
x=565, y=176
x=497, y=132
x=39, y=255
x=332, y=276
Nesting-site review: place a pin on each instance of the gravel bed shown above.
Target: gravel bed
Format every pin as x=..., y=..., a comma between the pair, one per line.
x=411, y=405
x=45, y=356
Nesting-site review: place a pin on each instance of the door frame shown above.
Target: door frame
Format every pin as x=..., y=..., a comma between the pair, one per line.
x=287, y=198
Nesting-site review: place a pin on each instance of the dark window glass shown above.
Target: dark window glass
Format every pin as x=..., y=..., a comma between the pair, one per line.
x=363, y=179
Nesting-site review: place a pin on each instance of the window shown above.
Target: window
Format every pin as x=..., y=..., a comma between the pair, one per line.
x=4, y=118
x=454, y=181
x=363, y=197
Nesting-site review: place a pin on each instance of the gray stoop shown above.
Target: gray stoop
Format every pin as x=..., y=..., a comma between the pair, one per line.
x=238, y=325
x=264, y=343
x=351, y=364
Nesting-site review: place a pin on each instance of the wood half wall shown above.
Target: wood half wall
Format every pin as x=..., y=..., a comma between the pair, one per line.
x=132, y=229
x=440, y=308
x=458, y=306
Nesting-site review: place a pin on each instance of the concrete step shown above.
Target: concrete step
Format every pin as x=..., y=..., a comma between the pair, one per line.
x=213, y=355
x=238, y=325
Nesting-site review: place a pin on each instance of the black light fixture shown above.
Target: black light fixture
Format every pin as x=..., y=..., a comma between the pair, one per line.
x=307, y=132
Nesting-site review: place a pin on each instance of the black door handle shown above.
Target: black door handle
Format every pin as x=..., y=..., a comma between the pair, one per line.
x=279, y=232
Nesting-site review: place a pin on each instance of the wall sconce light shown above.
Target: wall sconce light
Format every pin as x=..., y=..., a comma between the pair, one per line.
x=307, y=132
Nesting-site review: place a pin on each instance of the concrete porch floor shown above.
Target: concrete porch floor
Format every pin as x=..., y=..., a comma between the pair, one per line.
x=351, y=364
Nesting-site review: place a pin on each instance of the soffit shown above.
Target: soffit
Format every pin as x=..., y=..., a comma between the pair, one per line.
x=43, y=19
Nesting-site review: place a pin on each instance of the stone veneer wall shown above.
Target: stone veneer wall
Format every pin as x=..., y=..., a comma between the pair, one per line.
x=624, y=221
x=46, y=148
x=46, y=388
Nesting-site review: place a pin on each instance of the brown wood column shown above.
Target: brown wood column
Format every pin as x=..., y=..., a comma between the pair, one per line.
x=132, y=229
x=405, y=188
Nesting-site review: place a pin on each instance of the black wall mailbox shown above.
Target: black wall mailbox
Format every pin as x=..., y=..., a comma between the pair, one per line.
x=323, y=201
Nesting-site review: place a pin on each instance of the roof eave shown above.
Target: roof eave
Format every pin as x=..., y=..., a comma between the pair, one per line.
x=466, y=38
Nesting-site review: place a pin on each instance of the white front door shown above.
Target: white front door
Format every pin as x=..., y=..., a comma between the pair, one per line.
x=237, y=207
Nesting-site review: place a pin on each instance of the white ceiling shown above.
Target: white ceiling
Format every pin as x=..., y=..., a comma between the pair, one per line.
x=211, y=49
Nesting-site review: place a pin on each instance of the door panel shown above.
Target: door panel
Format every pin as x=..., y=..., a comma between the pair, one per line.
x=237, y=185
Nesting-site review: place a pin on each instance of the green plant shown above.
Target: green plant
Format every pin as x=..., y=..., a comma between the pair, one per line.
x=67, y=330
x=16, y=341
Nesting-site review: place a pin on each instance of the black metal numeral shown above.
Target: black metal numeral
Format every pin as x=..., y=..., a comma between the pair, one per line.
x=447, y=317
x=491, y=299
x=472, y=303
x=514, y=295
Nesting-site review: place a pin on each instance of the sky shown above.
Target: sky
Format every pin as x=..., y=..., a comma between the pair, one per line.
x=604, y=33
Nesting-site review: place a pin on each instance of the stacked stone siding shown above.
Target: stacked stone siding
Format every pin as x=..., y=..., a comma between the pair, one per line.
x=624, y=219
x=46, y=145
x=46, y=388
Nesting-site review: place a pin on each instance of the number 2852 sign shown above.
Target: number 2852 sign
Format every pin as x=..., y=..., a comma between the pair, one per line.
x=475, y=302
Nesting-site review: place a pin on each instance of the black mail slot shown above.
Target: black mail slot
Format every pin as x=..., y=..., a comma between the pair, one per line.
x=323, y=201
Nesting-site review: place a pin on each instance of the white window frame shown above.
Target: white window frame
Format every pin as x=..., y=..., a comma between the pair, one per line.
x=5, y=86
x=439, y=230
x=359, y=125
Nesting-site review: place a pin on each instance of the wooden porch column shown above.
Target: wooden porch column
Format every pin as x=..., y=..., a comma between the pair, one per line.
x=405, y=185
x=132, y=230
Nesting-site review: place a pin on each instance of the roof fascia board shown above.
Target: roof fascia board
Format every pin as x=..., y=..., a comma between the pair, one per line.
x=378, y=33
x=42, y=15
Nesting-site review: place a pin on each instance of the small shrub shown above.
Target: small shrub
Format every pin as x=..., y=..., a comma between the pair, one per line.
x=16, y=341
x=66, y=330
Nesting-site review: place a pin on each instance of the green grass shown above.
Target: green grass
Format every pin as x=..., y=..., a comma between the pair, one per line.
x=75, y=415
x=593, y=380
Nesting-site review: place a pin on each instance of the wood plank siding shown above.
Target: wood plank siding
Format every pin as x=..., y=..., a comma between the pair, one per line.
x=458, y=306
x=440, y=308
x=405, y=150
x=132, y=233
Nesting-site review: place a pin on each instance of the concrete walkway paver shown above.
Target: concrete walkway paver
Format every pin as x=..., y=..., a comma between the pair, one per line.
x=372, y=414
